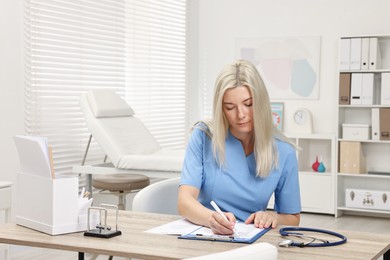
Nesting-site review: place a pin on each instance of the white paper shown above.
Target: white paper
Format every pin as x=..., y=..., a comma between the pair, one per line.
x=33, y=155
x=177, y=227
x=184, y=227
x=245, y=231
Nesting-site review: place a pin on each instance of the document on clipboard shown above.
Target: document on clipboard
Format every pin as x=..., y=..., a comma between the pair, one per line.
x=184, y=229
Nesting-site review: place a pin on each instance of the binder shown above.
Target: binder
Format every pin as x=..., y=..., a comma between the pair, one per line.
x=356, y=50
x=385, y=89
x=375, y=129
x=345, y=88
x=345, y=54
x=374, y=54
x=351, y=158
x=384, y=117
x=356, y=88
x=367, y=95
x=365, y=53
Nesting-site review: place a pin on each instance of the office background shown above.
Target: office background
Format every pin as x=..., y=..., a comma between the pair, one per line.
x=214, y=26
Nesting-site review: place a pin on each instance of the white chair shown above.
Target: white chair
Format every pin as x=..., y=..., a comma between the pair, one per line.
x=159, y=197
x=255, y=251
x=132, y=150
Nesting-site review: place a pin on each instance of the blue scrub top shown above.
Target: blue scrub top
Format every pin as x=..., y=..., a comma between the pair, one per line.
x=235, y=187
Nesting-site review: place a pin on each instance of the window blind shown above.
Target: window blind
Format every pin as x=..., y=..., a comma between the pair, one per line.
x=72, y=46
x=156, y=78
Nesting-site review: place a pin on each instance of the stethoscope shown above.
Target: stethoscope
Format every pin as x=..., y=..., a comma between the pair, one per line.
x=284, y=232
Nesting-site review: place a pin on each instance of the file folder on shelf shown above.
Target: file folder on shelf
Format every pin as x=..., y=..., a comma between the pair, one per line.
x=384, y=114
x=385, y=89
x=356, y=88
x=365, y=54
x=374, y=55
x=344, y=88
x=375, y=124
x=345, y=53
x=351, y=158
x=367, y=95
x=356, y=51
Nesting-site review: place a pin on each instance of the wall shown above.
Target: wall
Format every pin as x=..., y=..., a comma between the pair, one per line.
x=11, y=80
x=222, y=21
x=219, y=23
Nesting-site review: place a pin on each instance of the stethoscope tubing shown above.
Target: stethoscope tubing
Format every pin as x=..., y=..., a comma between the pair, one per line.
x=285, y=232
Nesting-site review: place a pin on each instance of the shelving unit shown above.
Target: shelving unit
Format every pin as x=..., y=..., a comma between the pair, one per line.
x=376, y=153
x=317, y=188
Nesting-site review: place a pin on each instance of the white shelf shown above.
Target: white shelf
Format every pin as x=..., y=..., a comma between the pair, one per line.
x=317, y=188
x=365, y=141
x=365, y=71
x=311, y=172
x=387, y=212
x=375, y=152
x=324, y=136
x=373, y=176
x=363, y=106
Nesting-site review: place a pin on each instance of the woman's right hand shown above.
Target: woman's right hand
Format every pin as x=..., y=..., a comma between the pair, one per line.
x=219, y=225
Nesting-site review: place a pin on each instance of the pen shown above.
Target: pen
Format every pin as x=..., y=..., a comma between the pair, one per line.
x=215, y=206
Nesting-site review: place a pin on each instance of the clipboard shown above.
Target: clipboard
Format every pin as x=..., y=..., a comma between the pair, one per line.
x=248, y=234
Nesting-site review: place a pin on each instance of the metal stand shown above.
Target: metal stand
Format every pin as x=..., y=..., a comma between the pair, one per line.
x=103, y=231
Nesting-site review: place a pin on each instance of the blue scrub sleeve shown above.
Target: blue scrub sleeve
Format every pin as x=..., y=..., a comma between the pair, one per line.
x=192, y=172
x=287, y=193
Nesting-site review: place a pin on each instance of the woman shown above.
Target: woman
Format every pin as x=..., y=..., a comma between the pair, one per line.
x=239, y=159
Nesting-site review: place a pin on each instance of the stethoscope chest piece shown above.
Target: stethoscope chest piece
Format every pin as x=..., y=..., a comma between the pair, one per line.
x=285, y=243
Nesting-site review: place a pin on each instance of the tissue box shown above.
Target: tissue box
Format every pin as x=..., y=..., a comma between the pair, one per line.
x=367, y=199
x=356, y=131
x=49, y=205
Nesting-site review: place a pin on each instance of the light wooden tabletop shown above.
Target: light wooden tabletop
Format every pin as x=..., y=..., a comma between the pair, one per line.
x=135, y=243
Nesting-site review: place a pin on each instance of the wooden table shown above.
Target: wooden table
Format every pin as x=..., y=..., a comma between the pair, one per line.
x=135, y=243
x=5, y=205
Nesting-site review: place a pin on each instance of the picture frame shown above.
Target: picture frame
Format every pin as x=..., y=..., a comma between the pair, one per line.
x=277, y=109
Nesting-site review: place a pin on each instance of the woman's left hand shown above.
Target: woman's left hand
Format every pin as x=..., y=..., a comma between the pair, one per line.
x=263, y=219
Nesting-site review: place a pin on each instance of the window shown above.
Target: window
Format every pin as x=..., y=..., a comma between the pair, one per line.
x=156, y=78
x=136, y=48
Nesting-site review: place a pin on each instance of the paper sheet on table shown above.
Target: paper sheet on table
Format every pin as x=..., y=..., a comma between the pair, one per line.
x=177, y=228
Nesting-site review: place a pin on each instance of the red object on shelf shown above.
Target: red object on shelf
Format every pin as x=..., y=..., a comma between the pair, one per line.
x=315, y=164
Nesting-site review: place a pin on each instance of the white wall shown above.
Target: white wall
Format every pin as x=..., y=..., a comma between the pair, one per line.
x=219, y=23
x=11, y=95
x=222, y=21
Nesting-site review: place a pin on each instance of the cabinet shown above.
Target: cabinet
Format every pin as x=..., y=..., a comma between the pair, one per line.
x=317, y=188
x=363, y=121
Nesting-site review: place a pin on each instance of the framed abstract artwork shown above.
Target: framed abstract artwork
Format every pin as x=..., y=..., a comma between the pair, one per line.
x=289, y=66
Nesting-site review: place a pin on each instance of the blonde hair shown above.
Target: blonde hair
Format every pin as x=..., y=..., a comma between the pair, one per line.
x=242, y=73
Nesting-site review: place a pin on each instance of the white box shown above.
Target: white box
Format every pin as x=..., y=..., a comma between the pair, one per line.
x=356, y=131
x=49, y=205
x=367, y=199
